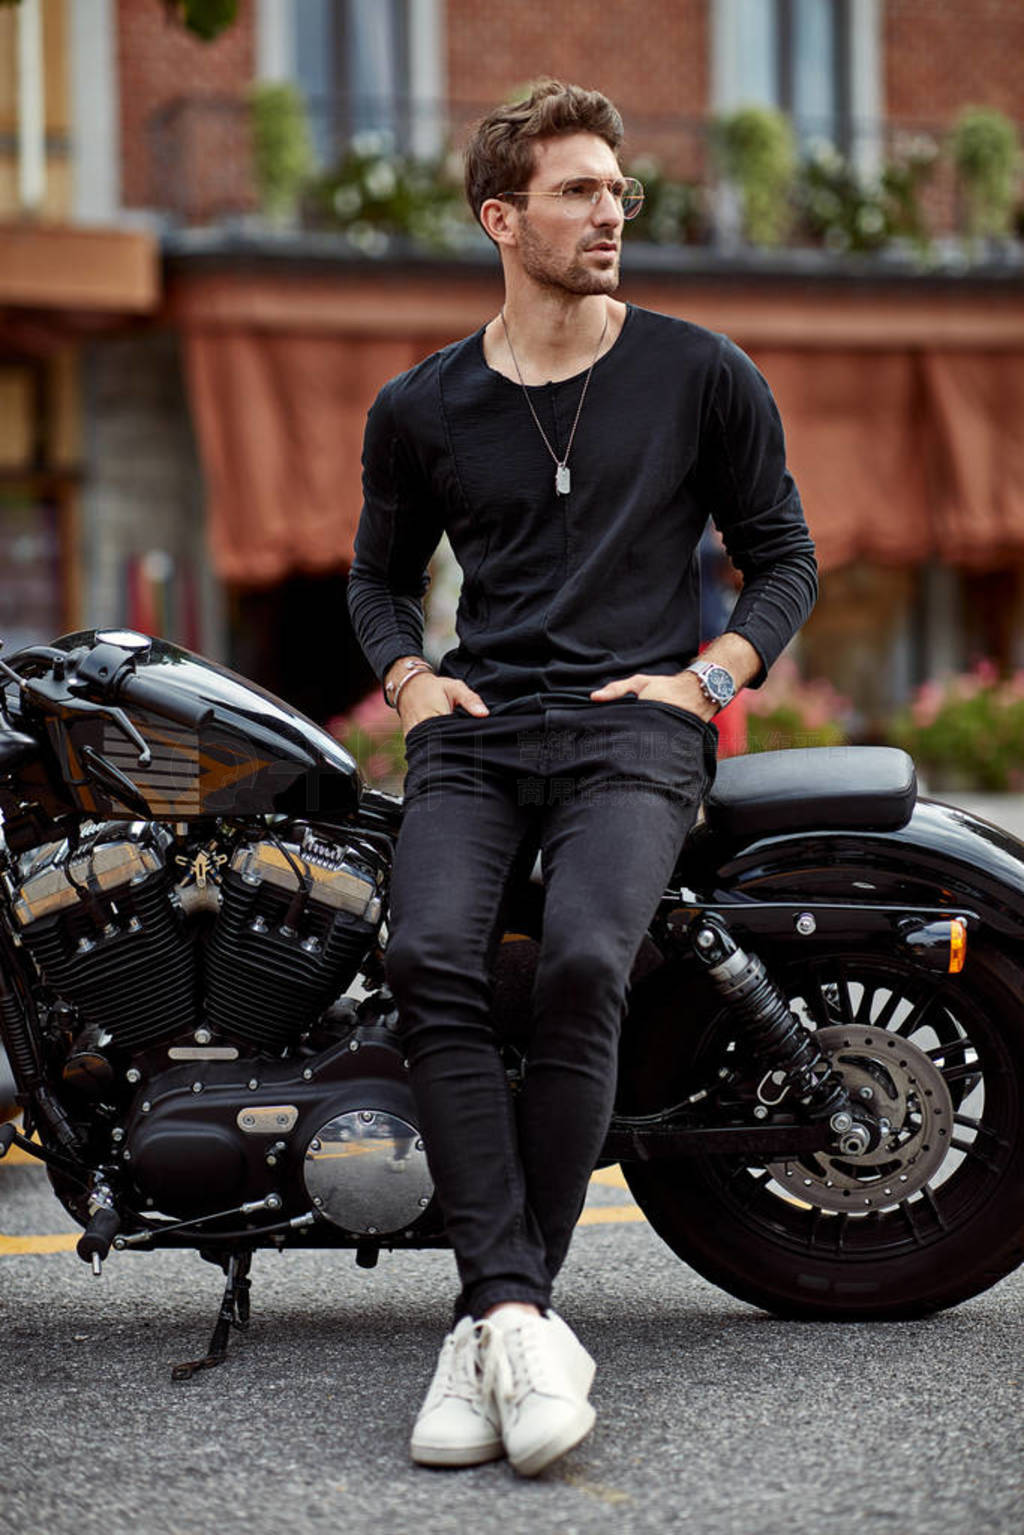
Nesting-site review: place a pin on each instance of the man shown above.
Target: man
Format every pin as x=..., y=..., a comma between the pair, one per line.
x=573, y=450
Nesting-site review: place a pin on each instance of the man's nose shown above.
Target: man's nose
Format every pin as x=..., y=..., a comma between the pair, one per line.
x=606, y=203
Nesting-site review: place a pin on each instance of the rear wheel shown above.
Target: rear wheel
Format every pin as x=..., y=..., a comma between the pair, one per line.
x=935, y=1215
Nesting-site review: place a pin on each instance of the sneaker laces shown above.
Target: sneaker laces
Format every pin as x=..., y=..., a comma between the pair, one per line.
x=458, y=1369
x=515, y=1363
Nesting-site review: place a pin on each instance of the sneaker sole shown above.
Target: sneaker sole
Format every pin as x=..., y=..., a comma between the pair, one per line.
x=456, y=1455
x=558, y=1444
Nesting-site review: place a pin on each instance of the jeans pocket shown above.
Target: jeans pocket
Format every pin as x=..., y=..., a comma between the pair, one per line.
x=676, y=711
x=415, y=731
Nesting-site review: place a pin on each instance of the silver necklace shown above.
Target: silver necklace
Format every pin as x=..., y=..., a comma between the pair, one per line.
x=563, y=479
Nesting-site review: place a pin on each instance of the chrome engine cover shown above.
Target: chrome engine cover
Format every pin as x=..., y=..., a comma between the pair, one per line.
x=366, y=1171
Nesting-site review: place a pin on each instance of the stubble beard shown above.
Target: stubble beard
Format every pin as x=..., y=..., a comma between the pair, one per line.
x=572, y=276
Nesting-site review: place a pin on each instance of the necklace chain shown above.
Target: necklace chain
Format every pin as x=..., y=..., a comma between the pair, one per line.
x=563, y=479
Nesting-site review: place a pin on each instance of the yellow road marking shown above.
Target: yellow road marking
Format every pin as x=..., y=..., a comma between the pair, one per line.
x=608, y=1215
x=610, y=1177
x=599, y=1490
x=64, y=1241
x=58, y=1242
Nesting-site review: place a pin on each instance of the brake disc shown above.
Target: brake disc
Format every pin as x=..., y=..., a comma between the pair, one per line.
x=898, y=1084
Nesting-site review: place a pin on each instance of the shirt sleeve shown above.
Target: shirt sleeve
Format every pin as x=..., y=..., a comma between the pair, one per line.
x=399, y=529
x=750, y=494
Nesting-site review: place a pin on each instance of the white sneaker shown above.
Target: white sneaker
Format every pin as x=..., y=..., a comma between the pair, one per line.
x=538, y=1375
x=458, y=1425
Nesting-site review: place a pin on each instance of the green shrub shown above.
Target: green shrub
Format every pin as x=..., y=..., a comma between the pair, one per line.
x=848, y=211
x=987, y=158
x=967, y=731
x=673, y=211
x=789, y=711
x=372, y=732
x=757, y=151
x=282, y=151
x=375, y=194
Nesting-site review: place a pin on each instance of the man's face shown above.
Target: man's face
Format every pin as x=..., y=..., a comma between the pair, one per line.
x=578, y=255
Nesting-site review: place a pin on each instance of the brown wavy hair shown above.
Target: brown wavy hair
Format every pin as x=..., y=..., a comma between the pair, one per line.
x=499, y=157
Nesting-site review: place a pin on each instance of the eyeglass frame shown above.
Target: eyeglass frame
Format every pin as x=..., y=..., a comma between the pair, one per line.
x=607, y=183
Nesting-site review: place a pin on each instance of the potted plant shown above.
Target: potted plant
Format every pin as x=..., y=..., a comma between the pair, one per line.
x=282, y=150
x=757, y=153
x=986, y=155
x=376, y=195
x=848, y=211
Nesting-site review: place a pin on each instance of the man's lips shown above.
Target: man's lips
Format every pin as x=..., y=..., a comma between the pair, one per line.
x=608, y=247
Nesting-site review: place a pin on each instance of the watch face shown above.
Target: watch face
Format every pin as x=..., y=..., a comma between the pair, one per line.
x=718, y=684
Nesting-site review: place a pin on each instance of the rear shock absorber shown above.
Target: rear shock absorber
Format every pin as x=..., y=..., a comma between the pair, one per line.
x=775, y=1036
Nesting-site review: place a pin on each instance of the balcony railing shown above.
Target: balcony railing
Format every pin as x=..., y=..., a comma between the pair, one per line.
x=895, y=185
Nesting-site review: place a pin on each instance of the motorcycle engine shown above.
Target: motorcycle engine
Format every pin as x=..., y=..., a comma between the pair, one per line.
x=195, y=986
x=333, y=1133
x=243, y=948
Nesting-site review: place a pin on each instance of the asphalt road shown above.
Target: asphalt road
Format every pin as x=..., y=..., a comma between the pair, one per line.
x=713, y=1418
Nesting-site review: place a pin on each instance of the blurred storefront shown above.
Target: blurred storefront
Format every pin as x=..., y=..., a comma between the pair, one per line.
x=185, y=372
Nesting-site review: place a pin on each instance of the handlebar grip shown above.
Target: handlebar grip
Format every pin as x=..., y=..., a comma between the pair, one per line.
x=98, y=1235
x=164, y=700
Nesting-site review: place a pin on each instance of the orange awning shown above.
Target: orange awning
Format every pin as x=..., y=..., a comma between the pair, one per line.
x=904, y=414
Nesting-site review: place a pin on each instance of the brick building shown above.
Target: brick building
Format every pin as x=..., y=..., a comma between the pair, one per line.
x=151, y=322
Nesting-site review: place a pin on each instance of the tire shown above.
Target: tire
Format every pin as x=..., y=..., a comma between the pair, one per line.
x=823, y=1239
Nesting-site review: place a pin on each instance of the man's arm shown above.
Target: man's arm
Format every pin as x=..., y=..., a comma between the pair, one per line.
x=741, y=477
x=397, y=534
x=399, y=529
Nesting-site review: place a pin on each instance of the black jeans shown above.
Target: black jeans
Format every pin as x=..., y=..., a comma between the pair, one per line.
x=608, y=793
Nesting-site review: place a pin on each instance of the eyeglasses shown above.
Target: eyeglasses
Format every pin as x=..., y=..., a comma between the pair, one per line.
x=577, y=196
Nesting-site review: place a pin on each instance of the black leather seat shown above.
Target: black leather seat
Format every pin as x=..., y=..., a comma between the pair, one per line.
x=830, y=788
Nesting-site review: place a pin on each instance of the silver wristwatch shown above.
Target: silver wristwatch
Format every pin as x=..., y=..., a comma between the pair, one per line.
x=716, y=683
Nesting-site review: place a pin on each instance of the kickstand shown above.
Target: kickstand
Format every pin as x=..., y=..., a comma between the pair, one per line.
x=234, y=1312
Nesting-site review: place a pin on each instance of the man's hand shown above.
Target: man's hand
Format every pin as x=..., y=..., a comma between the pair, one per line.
x=427, y=695
x=683, y=689
x=680, y=688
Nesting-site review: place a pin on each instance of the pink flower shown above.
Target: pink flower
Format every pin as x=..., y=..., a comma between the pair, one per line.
x=373, y=714
x=927, y=703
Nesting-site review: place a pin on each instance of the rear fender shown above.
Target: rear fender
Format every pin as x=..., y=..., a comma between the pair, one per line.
x=942, y=858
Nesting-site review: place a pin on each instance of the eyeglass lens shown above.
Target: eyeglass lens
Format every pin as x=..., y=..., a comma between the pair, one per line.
x=583, y=192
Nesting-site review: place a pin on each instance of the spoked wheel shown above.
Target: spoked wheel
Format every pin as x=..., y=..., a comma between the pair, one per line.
x=935, y=1214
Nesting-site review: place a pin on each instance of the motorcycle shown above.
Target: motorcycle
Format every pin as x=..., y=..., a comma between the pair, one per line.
x=820, y=1092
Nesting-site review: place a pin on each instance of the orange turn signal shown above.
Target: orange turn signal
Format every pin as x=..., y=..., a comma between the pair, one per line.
x=957, y=945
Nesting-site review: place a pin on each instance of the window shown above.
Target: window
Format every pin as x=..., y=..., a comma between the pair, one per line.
x=816, y=59
x=368, y=66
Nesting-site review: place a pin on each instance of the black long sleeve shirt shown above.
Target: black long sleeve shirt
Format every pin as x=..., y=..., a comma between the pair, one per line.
x=566, y=593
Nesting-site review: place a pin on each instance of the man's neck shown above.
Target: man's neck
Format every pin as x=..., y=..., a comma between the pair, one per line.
x=555, y=335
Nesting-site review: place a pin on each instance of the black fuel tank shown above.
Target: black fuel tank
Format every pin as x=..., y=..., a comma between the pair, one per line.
x=252, y=754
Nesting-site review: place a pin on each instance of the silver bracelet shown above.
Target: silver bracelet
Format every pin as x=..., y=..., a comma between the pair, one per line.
x=412, y=664
x=413, y=672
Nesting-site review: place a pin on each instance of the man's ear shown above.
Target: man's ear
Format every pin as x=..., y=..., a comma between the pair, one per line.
x=498, y=220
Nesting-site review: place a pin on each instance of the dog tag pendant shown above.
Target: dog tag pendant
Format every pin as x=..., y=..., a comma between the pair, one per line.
x=563, y=480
